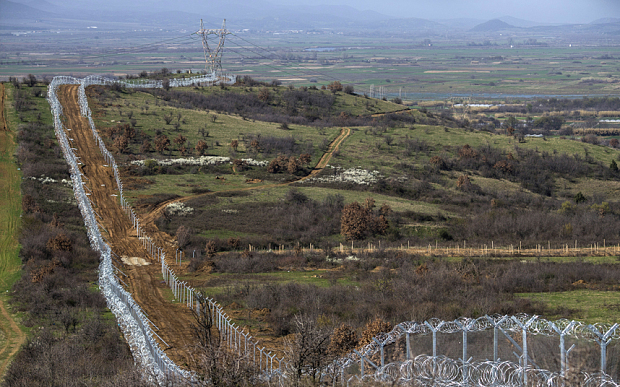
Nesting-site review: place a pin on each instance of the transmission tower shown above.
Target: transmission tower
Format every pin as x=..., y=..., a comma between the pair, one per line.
x=213, y=56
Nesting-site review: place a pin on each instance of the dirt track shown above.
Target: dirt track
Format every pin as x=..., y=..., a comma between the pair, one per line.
x=13, y=337
x=145, y=283
x=149, y=219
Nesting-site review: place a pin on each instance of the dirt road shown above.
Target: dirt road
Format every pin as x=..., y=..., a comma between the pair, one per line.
x=145, y=283
x=148, y=220
x=12, y=337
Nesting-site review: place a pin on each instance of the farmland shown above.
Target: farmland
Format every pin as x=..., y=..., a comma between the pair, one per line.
x=403, y=66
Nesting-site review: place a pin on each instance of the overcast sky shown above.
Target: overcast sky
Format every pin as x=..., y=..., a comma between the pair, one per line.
x=544, y=11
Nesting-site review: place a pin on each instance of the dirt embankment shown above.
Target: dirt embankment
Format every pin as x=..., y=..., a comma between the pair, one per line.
x=144, y=281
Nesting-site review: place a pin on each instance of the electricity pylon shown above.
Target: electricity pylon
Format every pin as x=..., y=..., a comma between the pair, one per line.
x=213, y=57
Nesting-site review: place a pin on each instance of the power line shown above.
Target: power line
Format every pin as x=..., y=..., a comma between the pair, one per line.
x=267, y=65
x=122, y=51
x=142, y=48
x=273, y=53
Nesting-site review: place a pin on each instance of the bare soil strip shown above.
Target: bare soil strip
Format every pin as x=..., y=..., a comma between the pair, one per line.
x=144, y=281
x=13, y=337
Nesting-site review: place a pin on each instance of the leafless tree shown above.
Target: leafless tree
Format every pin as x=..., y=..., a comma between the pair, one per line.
x=308, y=350
x=183, y=236
x=217, y=364
x=201, y=147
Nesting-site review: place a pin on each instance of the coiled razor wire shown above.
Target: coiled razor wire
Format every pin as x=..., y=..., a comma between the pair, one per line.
x=130, y=317
x=235, y=337
x=426, y=370
x=485, y=373
x=209, y=79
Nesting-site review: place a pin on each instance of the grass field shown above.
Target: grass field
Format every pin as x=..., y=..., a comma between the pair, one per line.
x=591, y=306
x=363, y=148
x=10, y=213
x=220, y=132
x=10, y=209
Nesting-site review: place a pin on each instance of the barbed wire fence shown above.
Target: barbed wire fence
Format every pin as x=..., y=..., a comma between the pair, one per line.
x=485, y=344
x=236, y=337
x=388, y=358
x=131, y=319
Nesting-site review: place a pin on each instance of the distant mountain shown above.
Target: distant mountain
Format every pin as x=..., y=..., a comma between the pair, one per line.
x=460, y=23
x=522, y=23
x=14, y=11
x=607, y=20
x=42, y=5
x=262, y=15
x=492, y=26
x=408, y=25
x=339, y=11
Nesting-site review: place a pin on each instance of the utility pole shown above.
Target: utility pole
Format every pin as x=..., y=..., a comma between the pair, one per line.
x=213, y=57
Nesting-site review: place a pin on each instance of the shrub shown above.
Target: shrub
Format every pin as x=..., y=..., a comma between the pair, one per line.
x=342, y=341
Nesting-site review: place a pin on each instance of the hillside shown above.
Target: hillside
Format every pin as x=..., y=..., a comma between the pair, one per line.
x=346, y=211
x=437, y=193
x=423, y=165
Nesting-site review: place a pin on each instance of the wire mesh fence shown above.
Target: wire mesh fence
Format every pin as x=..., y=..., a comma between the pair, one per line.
x=206, y=79
x=131, y=319
x=517, y=350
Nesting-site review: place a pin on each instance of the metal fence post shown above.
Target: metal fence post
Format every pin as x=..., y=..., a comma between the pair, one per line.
x=408, y=346
x=381, y=347
x=603, y=340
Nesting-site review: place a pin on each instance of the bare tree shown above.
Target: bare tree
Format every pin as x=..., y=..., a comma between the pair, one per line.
x=145, y=147
x=210, y=249
x=201, y=147
x=183, y=236
x=202, y=327
x=30, y=80
x=180, y=140
x=264, y=94
x=308, y=350
x=305, y=158
x=168, y=118
x=162, y=143
x=121, y=143
x=335, y=86
x=219, y=365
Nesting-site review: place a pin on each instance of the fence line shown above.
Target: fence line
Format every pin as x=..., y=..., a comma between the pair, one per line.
x=208, y=79
x=439, y=371
x=445, y=371
x=232, y=334
x=479, y=250
x=131, y=319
